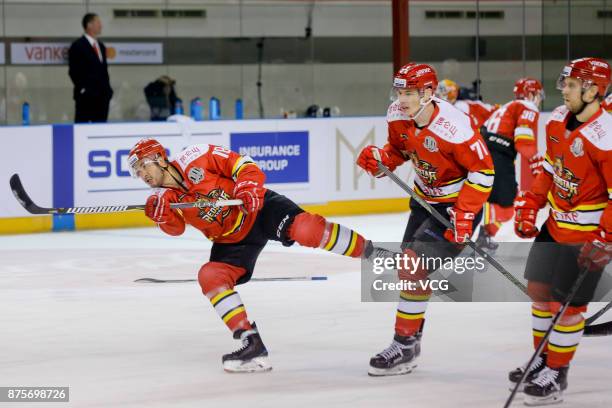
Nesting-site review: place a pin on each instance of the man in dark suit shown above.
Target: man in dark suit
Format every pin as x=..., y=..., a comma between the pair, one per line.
x=89, y=73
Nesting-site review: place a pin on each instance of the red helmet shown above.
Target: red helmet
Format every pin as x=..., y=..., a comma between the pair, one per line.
x=525, y=86
x=145, y=148
x=413, y=75
x=592, y=71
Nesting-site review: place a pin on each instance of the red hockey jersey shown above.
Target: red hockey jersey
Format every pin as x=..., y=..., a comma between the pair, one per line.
x=517, y=121
x=451, y=161
x=210, y=173
x=577, y=181
x=479, y=111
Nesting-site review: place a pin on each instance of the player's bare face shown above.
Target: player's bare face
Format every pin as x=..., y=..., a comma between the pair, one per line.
x=150, y=172
x=571, y=90
x=409, y=100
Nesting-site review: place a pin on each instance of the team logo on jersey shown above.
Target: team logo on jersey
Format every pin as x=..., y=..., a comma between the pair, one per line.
x=195, y=175
x=213, y=214
x=424, y=169
x=430, y=144
x=577, y=147
x=565, y=180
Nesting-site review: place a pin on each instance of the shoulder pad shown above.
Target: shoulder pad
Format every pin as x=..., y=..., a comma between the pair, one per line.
x=462, y=105
x=450, y=124
x=190, y=153
x=599, y=132
x=395, y=112
x=558, y=115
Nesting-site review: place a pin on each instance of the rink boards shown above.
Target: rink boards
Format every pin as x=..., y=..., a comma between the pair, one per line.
x=312, y=161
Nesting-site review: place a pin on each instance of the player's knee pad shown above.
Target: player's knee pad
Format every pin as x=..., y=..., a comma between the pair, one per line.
x=539, y=292
x=307, y=229
x=218, y=276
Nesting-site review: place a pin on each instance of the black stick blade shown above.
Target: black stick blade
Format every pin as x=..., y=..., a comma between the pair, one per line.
x=24, y=199
x=601, y=329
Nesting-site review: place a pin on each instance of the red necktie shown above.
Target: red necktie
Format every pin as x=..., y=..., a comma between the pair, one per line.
x=96, y=50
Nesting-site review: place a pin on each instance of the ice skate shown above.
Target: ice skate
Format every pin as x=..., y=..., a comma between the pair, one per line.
x=547, y=388
x=397, y=359
x=251, y=357
x=485, y=241
x=515, y=375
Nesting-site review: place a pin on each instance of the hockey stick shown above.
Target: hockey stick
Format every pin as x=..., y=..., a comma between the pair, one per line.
x=595, y=330
x=27, y=203
x=602, y=329
x=448, y=224
x=598, y=314
x=296, y=278
x=544, y=339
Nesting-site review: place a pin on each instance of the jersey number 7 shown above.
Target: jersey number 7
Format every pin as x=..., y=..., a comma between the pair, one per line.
x=479, y=147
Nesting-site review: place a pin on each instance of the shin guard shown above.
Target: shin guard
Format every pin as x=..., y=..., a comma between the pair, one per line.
x=217, y=281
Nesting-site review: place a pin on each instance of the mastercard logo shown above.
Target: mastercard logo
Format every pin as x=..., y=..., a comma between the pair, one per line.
x=111, y=53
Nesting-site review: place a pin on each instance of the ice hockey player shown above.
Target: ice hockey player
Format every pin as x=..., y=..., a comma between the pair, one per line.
x=454, y=172
x=208, y=172
x=577, y=183
x=478, y=110
x=512, y=129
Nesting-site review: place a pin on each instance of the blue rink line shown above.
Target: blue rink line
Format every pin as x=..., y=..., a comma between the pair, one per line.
x=63, y=175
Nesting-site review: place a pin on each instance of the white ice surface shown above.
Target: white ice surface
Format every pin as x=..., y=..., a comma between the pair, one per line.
x=70, y=315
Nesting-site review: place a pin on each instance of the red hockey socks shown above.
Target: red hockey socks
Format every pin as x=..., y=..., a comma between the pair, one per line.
x=217, y=281
x=541, y=319
x=413, y=303
x=565, y=336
